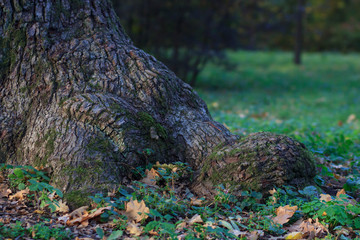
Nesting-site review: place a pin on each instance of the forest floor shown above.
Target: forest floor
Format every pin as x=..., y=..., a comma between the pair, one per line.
x=316, y=103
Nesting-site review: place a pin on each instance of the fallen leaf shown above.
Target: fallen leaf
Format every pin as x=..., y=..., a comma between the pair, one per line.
x=325, y=197
x=84, y=224
x=78, y=212
x=39, y=211
x=152, y=232
x=61, y=207
x=215, y=104
x=312, y=229
x=294, y=235
x=340, y=192
x=195, y=219
x=181, y=226
x=78, y=216
x=272, y=191
x=64, y=219
x=295, y=227
x=4, y=191
x=351, y=118
x=254, y=235
x=98, y=212
x=150, y=178
x=134, y=228
x=133, y=208
x=283, y=214
x=196, y=202
x=19, y=195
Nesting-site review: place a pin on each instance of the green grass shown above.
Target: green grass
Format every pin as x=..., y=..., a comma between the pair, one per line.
x=266, y=92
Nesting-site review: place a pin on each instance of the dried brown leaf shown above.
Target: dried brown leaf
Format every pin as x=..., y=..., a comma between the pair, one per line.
x=20, y=195
x=325, y=197
x=196, y=202
x=181, y=226
x=312, y=229
x=283, y=214
x=195, y=219
x=61, y=207
x=98, y=212
x=4, y=191
x=150, y=178
x=136, y=211
x=272, y=191
x=254, y=235
x=134, y=229
x=78, y=212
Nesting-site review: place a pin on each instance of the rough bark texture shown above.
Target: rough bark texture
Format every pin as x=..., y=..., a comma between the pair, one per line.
x=259, y=162
x=78, y=97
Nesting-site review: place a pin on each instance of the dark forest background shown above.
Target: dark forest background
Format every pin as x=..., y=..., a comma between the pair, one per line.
x=186, y=35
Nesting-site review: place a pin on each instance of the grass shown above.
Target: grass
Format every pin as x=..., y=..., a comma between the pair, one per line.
x=317, y=103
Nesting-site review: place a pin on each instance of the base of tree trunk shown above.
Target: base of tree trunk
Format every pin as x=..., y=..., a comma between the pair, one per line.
x=78, y=98
x=260, y=161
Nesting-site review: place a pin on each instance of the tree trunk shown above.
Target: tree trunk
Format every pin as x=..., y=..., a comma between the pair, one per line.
x=299, y=35
x=78, y=97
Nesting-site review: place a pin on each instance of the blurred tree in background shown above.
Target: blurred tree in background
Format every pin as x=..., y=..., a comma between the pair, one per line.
x=183, y=34
x=186, y=35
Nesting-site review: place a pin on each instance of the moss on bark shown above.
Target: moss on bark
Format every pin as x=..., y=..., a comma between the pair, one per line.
x=259, y=162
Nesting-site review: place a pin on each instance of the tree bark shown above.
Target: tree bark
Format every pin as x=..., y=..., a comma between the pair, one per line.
x=78, y=97
x=299, y=35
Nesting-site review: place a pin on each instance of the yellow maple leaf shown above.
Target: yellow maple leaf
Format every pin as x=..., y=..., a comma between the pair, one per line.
x=136, y=211
x=283, y=214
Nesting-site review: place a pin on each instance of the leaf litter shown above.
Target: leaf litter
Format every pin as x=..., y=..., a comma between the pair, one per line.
x=85, y=222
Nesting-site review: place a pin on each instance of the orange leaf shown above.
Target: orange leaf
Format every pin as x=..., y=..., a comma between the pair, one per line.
x=341, y=192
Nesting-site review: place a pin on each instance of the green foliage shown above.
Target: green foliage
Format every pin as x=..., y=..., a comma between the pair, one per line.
x=316, y=104
x=37, y=231
x=36, y=181
x=44, y=232
x=336, y=212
